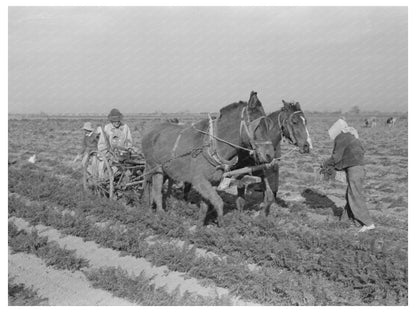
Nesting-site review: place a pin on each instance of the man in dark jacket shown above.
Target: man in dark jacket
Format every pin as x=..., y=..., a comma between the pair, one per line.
x=348, y=155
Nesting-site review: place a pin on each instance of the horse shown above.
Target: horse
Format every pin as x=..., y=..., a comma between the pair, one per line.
x=199, y=154
x=288, y=123
x=391, y=122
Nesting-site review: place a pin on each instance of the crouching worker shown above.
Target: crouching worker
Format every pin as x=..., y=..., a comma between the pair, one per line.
x=348, y=155
x=89, y=142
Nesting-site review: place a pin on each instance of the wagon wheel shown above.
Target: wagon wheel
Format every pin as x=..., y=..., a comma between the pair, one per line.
x=94, y=181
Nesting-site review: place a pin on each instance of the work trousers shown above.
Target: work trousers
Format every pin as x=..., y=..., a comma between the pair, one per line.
x=356, y=207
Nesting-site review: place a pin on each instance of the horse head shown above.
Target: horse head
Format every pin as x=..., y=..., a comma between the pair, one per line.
x=292, y=122
x=254, y=130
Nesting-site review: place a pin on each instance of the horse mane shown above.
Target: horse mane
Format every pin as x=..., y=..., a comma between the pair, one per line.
x=231, y=107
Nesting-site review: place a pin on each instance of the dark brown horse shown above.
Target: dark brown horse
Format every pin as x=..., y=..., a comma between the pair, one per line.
x=200, y=153
x=290, y=123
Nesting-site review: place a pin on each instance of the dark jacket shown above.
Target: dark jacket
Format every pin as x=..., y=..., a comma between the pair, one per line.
x=348, y=151
x=89, y=143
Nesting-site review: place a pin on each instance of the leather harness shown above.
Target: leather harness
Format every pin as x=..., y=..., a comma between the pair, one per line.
x=210, y=152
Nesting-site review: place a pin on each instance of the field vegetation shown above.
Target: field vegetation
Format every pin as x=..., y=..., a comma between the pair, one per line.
x=300, y=255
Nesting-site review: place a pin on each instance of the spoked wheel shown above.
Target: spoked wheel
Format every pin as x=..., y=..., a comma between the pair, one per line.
x=98, y=176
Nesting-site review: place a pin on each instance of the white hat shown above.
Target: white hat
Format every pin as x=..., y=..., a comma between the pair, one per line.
x=341, y=126
x=87, y=126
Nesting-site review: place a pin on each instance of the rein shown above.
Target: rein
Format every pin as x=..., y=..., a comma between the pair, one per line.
x=224, y=141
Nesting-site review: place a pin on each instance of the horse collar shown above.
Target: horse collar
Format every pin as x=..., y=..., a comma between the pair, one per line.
x=252, y=125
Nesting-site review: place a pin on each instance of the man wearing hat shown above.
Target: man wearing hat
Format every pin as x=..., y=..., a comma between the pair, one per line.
x=89, y=142
x=116, y=133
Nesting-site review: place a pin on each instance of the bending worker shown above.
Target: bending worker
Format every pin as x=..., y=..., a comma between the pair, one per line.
x=348, y=155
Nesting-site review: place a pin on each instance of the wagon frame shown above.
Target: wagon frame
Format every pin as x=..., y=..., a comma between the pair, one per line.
x=121, y=172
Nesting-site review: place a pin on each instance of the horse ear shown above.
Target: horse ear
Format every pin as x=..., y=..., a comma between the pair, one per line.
x=297, y=106
x=285, y=104
x=252, y=102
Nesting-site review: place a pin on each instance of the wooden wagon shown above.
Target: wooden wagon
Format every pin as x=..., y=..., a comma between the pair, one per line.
x=114, y=174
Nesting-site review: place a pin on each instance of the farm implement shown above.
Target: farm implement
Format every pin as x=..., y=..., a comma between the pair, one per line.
x=114, y=174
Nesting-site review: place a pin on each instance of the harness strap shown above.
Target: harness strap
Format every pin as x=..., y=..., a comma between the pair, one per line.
x=213, y=156
x=177, y=142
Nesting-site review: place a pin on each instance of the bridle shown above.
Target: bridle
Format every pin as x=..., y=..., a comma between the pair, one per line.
x=284, y=124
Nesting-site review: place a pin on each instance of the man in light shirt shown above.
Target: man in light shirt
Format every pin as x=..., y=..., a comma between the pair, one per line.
x=116, y=134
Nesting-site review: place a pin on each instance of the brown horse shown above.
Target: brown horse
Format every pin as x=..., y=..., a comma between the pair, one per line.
x=289, y=123
x=200, y=153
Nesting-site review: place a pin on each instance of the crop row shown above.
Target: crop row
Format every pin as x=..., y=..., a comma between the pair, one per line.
x=292, y=243
x=138, y=289
x=50, y=252
x=267, y=287
x=21, y=295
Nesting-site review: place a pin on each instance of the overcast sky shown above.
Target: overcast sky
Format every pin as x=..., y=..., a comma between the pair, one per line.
x=146, y=59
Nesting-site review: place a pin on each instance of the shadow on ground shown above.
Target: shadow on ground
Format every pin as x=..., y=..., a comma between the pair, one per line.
x=317, y=200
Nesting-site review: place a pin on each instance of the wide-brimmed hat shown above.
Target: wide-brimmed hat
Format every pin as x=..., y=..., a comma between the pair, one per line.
x=87, y=126
x=115, y=115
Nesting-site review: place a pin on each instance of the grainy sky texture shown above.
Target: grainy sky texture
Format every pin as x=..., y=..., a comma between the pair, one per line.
x=175, y=59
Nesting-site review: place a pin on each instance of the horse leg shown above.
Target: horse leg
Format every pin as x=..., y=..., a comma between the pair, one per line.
x=146, y=196
x=268, y=198
x=270, y=180
x=186, y=190
x=205, y=189
x=170, y=184
x=157, y=185
x=147, y=188
x=240, y=202
x=203, y=210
